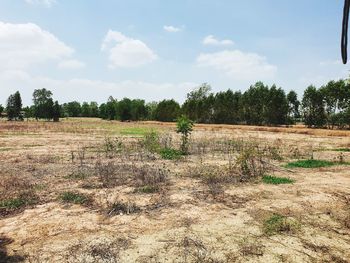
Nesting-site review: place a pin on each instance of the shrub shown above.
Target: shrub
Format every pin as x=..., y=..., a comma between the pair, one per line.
x=170, y=154
x=250, y=163
x=151, y=142
x=74, y=198
x=185, y=127
x=120, y=208
x=277, y=224
x=277, y=180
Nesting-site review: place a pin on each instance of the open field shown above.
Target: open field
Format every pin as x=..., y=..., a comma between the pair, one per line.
x=86, y=190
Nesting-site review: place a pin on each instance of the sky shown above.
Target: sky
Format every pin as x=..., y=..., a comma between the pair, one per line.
x=88, y=50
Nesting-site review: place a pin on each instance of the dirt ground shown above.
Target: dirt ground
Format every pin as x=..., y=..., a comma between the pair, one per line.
x=185, y=219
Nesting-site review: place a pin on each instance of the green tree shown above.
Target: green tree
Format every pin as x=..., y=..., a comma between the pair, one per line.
x=14, y=107
x=276, y=107
x=73, y=109
x=167, y=111
x=293, y=107
x=124, y=109
x=226, y=107
x=199, y=104
x=111, y=109
x=1, y=110
x=185, y=127
x=56, y=112
x=85, y=110
x=254, y=102
x=313, y=108
x=43, y=103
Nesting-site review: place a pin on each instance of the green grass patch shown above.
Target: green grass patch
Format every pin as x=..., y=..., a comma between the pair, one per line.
x=136, y=131
x=5, y=149
x=312, y=164
x=74, y=198
x=277, y=180
x=148, y=189
x=277, y=224
x=13, y=204
x=342, y=150
x=170, y=154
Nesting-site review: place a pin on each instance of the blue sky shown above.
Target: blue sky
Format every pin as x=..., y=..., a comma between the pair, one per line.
x=87, y=50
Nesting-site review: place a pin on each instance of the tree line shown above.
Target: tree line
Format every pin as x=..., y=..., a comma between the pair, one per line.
x=327, y=106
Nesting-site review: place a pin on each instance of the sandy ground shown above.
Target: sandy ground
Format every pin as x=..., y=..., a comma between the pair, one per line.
x=182, y=223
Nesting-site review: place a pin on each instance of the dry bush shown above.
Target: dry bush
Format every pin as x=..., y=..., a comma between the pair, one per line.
x=251, y=248
x=113, y=174
x=98, y=250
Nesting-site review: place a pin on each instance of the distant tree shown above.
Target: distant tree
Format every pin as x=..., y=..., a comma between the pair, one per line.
x=167, y=110
x=138, y=110
x=276, y=107
x=43, y=104
x=313, y=108
x=1, y=110
x=85, y=110
x=111, y=109
x=103, y=111
x=293, y=107
x=56, y=112
x=94, y=109
x=226, y=107
x=254, y=102
x=29, y=112
x=151, y=108
x=73, y=109
x=14, y=107
x=198, y=106
x=124, y=109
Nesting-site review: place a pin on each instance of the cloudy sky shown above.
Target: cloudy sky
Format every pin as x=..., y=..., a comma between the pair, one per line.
x=87, y=50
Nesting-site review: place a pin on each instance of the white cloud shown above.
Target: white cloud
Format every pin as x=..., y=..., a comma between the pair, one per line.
x=212, y=41
x=172, y=29
x=22, y=45
x=238, y=65
x=125, y=52
x=47, y=3
x=71, y=64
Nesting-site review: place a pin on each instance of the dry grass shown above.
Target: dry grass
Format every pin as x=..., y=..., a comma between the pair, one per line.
x=88, y=190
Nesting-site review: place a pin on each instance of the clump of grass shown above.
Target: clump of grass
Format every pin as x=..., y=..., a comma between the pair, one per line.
x=277, y=180
x=12, y=204
x=170, y=154
x=120, y=208
x=342, y=150
x=277, y=224
x=151, y=142
x=74, y=198
x=23, y=199
x=147, y=189
x=311, y=164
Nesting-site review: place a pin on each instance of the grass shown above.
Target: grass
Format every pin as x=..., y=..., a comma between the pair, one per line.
x=136, y=131
x=312, y=164
x=170, y=154
x=277, y=224
x=148, y=189
x=74, y=198
x=342, y=150
x=277, y=180
x=13, y=204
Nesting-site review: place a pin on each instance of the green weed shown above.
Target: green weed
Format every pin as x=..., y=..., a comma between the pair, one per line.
x=277, y=180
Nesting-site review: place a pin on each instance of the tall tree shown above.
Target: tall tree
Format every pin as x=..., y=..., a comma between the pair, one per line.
x=14, y=107
x=276, y=107
x=293, y=107
x=167, y=110
x=313, y=108
x=56, y=112
x=42, y=99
